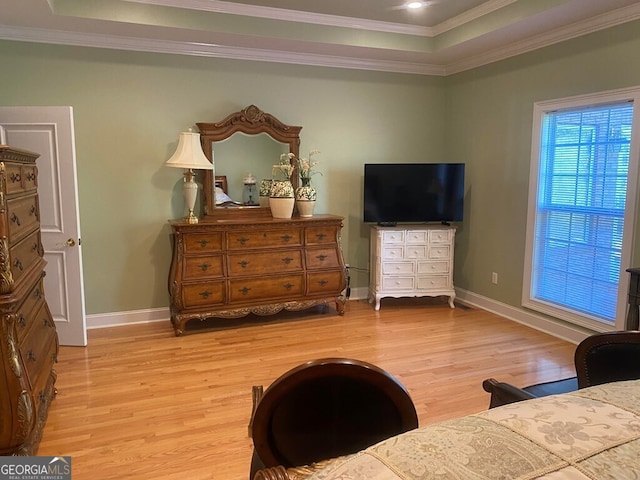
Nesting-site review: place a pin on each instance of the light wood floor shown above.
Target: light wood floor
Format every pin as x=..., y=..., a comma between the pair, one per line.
x=140, y=403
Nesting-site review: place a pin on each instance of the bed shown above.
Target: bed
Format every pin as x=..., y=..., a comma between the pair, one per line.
x=593, y=433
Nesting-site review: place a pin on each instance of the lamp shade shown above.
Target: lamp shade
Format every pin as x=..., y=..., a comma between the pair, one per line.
x=189, y=153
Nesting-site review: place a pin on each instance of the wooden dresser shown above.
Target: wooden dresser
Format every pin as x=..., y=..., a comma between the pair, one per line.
x=230, y=268
x=411, y=261
x=29, y=344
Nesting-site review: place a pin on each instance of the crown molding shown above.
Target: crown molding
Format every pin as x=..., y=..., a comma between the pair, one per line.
x=569, y=32
x=470, y=15
x=36, y=35
x=510, y=49
x=298, y=16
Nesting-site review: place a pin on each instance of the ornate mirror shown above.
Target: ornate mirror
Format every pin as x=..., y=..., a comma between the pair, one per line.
x=248, y=141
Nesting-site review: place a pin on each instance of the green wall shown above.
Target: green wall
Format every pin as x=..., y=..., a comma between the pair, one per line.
x=129, y=108
x=489, y=120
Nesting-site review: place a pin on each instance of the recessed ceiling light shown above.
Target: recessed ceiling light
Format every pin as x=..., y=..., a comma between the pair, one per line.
x=415, y=4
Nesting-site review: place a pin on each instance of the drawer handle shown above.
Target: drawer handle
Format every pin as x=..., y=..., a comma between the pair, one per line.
x=205, y=294
x=288, y=286
x=286, y=238
x=245, y=290
x=287, y=260
x=37, y=293
x=204, y=243
x=323, y=282
x=21, y=320
x=15, y=219
x=42, y=397
x=205, y=266
x=31, y=176
x=18, y=264
x=45, y=322
x=33, y=210
x=243, y=240
x=31, y=356
x=243, y=263
x=15, y=177
x=320, y=236
x=322, y=257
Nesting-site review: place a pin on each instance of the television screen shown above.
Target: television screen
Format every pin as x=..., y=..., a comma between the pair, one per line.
x=413, y=192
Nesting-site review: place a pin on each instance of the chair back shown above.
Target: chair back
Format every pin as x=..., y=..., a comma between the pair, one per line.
x=608, y=357
x=327, y=408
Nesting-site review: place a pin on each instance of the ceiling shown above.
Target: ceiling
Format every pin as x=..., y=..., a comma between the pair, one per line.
x=441, y=38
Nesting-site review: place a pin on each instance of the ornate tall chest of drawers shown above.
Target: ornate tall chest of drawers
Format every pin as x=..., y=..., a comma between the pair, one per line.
x=230, y=268
x=29, y=340
x=411, y=261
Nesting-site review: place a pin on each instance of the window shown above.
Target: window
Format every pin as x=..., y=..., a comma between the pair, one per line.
x=581, y=208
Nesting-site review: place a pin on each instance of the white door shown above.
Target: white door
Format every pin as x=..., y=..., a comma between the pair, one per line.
x=49, y=132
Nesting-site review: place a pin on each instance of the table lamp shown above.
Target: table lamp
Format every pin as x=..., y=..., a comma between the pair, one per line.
x=189, y=155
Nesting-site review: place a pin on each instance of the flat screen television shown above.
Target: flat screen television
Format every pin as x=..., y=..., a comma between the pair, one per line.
x=413, y=192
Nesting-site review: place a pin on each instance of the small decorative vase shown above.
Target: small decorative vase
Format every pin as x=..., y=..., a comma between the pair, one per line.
x=265, y=192
x=281, y=199
x=306, y=198
x=305, y=207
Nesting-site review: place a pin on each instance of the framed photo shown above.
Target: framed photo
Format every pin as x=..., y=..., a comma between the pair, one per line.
x=221, y=181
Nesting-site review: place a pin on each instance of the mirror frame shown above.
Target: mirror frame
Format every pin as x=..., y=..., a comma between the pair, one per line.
x=250, y=121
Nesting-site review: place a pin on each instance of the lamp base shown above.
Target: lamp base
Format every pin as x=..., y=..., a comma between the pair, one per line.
x=190, y=191
x=191, y=218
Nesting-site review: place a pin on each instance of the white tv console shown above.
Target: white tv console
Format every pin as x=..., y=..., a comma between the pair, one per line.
x=411, y=261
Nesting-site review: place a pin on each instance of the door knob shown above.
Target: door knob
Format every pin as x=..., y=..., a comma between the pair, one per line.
x=71, y=242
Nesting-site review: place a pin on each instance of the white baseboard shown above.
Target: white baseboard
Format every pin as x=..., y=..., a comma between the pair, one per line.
x=119, y=319
x=556, y=328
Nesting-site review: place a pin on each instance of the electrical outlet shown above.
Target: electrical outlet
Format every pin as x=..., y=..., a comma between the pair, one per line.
x=494, y=278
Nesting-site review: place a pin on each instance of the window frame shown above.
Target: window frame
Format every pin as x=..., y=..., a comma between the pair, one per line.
x=539, y=111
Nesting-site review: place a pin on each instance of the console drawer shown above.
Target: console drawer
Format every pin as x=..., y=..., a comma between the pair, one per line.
x=267, y=287
x=265, y=262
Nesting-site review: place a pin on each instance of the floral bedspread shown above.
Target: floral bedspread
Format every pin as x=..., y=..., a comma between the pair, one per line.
x=592, y=433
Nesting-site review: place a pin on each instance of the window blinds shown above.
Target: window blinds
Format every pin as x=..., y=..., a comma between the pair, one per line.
x=584, y=165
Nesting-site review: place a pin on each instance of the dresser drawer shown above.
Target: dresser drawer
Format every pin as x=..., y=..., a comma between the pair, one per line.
x=440, y=236
x=257, y=263
x=20, y=178
x=34, y=348
x=318, y=258
x=43, y=376
x=320, y=235
x=332, y=282
x=23, y=216
x=25, y=254
x=205, y=266
x=203, y=293
x=264, y=238
x=397, y=283
x=429, y=268
x=433, y=282
x=442, y=251
x=202, y=242
x=266, y=288
x=417, y=237
x=415, y=252
x=393, y=253
x=26, y=312
x=398, y=268
x=393, y=237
